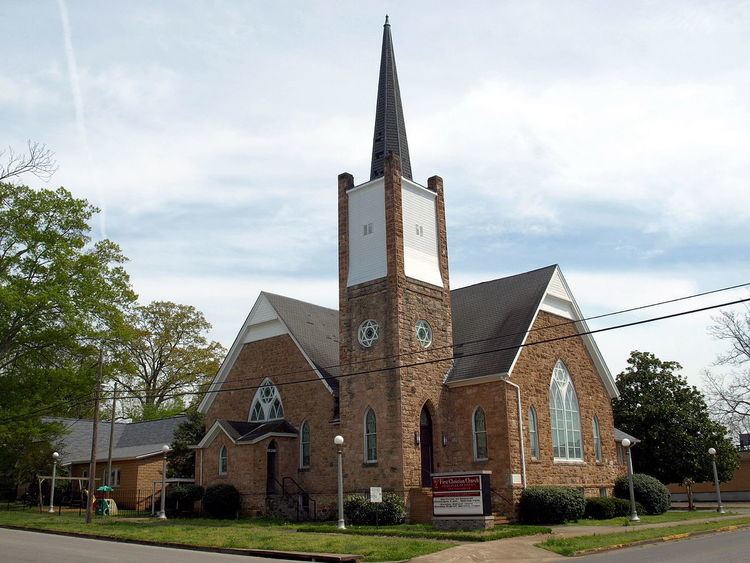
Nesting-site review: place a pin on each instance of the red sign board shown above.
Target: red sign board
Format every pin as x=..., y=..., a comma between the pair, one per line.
x=457, y=495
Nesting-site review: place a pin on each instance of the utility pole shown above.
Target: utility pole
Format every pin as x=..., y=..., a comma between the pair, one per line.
x=95, y=432
x=111, y=436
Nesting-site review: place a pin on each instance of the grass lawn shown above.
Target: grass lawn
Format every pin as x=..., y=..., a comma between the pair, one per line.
x=578, y=544
x=427, y=531
x=671, y=516
x=230, y=533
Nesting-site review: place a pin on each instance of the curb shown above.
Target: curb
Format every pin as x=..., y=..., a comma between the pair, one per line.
x=268, y=553
x=672, y=537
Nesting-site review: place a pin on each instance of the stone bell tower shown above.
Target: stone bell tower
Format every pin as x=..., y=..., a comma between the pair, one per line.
x=394, y=307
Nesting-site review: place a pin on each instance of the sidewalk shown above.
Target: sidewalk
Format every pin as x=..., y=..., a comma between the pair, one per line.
x=523, y=549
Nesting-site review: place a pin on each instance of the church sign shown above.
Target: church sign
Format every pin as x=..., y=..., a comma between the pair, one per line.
x=461, y=494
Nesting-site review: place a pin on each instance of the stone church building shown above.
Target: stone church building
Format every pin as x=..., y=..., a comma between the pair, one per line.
x=417, y=377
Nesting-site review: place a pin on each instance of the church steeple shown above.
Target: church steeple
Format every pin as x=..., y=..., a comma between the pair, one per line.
x=390, y=129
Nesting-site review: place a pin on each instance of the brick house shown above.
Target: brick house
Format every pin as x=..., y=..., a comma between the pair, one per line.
x=416, y=377
x=136, y=455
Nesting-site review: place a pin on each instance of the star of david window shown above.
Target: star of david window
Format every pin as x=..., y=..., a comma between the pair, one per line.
x=368, y=333
x=424, y=333
x=266, y=403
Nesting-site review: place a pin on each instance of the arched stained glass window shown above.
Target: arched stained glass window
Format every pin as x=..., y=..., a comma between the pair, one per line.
x=371, y=437
x=304, y=454
x=533, y=433
x=223, y=460
x=479, y=424
x=564, y=415
x=597, y=439
x=266, y=403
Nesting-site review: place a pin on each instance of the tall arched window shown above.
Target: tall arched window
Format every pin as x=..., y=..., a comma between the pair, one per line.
x=597, y=439
x=479, y=426
x=566, y=422
x=266, y=404
x=371, y=437
x=223, y=460
x=304, y=445
x=533, y=434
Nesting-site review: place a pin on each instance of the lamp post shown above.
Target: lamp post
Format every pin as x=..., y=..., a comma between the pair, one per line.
x=719, y=506
x=633, y=513
x=163, y=511
x=55, y=457
x=339, y=441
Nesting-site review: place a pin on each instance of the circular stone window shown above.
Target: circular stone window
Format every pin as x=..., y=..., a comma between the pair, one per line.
x=368, y=333
x=424, y=333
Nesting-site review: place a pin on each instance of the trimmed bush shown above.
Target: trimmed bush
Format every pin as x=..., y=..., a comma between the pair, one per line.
x=181, y=498
x=221, y=501
x=551, y=505
x=648, y=491
x=358, y=510
x=604, y=508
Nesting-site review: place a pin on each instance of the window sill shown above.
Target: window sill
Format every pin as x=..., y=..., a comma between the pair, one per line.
x=369, y=463
x=569, y=461
x=303, y=469
x=481, y=460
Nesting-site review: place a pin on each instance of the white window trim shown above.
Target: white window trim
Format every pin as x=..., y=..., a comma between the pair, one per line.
x=474, y=434
x=534, y=429
x=115, y=482
x=226, y=457
x=364, y=436
x=597, y=431
x=266, y=408
x=571, y=460
x=302, y=446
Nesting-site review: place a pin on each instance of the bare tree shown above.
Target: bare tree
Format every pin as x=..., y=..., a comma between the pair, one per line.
x=729, y=393
x=37, y=160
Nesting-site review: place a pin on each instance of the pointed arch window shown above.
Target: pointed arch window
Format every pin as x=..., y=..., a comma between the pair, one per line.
x=371, y=437
x=304, y=445
x=533, y=433
x=479, y=427
x=223, y=460
x=564, y=415
x=597, y=438
x=266, y=404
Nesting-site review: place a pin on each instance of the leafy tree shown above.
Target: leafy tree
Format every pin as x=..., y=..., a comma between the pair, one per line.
x=168, y=354
x=729, y=394
x=181, y=458
x=60, y=294
x=657, y=405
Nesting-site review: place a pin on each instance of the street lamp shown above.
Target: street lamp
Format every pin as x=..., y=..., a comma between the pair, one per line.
x=339, y=441
x=163, y=512
x=633, y=513
x=55, y=457
x=719, y=506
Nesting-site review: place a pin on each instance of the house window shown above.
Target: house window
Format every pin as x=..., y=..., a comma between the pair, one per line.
x=420, y=230
x=602, y=491
x=223, y=460
x=114, y=477
x=304, y=441
x=564, y=414
x=479, y=424
x=367, y=229
x=371, y=437
x=266, y=404
x=533, y=434
x=597, y=439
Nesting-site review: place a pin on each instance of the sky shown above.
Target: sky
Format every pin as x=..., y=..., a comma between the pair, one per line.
x=608, y=137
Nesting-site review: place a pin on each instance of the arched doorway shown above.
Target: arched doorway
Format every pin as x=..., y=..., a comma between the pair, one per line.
x=271, y=469
x=425, y=446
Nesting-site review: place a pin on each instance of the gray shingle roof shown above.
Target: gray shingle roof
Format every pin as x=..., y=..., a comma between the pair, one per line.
x=241, y=431
x=620, y=436
x=131, y=440
x=316, y=329
x=496, y=313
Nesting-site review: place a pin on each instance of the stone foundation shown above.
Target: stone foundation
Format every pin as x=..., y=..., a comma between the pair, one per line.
x=463, y=522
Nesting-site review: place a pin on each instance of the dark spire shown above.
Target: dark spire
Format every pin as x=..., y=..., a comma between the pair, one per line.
x=390, y=129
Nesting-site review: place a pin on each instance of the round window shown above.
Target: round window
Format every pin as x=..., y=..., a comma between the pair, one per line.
x=424, y=333
x=368, y=333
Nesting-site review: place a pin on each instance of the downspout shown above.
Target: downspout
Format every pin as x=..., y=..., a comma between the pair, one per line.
x=520, y=431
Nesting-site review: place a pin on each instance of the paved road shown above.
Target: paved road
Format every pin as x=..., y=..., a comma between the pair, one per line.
x=727, y=547
x=17, y=545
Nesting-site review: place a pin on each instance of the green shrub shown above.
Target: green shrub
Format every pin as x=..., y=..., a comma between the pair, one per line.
x=221, y=501
x=604, y=508
x=358, y=510
x=648, y=491
x=551, y=505
x=180, y=498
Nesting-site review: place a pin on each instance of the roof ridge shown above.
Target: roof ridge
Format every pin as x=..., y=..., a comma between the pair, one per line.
x=299, y=301
x=506, y=277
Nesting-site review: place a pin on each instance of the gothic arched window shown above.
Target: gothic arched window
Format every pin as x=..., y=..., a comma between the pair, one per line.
x=223, y=460
x=533, y=433
x=371, y=437
x=479, y=426
x=266, y=404
x=304, y=445
x=564, y=415
x=597, y=439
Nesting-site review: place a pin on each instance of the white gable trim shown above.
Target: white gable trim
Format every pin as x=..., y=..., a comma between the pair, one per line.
x=211, y=435
x=559, y=300
x=262, y=322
